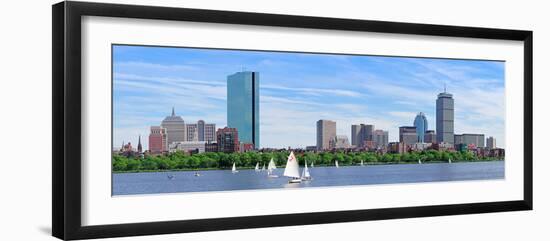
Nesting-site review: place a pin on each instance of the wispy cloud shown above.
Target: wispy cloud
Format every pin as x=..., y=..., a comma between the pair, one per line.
x=296, y=90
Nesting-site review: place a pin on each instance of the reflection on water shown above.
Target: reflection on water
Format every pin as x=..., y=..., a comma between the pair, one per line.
x=224, y=180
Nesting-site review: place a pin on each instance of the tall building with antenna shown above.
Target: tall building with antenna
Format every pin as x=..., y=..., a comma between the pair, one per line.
x=444, y=122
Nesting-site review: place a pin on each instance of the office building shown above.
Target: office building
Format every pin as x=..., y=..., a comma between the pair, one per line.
x=158, y=142
x=380, y=137
x=176, y=130
x=360, y=134
x=192, y=132
x=470, y=140
x=228, y=140
x=421, y=124
x=326, y=131
x=243, y=105
x=209, y=132
x=444, y=122
x=430, y=137
x=491, y=143
x=407, y=135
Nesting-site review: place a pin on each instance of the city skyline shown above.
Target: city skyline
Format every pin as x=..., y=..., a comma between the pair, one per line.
x=387, y=92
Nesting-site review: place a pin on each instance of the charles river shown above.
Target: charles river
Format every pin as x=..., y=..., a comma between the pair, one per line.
x=224, y=180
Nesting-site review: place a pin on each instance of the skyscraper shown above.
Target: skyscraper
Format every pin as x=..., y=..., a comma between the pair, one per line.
x=355, y=135
x=326, y=131
x=380, y=137
x=175, y=128
x=444, y=123
x=421, y=124
x=157, y=140
x=192, y=132
x=407, y=135
x=360, y=134
x=200, y=129
x=209, y=132
x=430, y=136
x=491, y=142
x=243, y=106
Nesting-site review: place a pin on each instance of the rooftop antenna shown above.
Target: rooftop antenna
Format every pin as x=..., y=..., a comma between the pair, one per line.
x=444, y=87
x=173, y=112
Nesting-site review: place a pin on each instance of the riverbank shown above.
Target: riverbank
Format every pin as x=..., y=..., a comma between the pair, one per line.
x=309, y=164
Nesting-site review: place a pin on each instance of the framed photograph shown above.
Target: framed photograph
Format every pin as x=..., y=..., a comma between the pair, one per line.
x=171, y=120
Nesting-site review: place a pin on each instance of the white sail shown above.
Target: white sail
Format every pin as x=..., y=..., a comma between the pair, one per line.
x=305, y=173
x=292, y=169
x=257, y=168
x=234, y=169
x=336, y=164
x=419, y=162
x=271, y=165
x=362, y=164
x=450, y=160
x=263, y=168
x=312, y=165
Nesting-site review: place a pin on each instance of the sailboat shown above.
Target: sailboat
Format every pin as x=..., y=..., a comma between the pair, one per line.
x=270, y=167
x=257, y=168
x=362, y=164
x=305, y=174
x=234, y=169
x=336, y=164
x=450, y=160
x=419, y=162
x=312, y=165
x=263, y=168
x=292, y=169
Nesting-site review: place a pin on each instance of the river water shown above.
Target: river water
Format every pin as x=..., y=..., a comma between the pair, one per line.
x=224, y=180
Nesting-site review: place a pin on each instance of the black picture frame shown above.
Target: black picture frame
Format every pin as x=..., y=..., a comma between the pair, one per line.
x=66, y=127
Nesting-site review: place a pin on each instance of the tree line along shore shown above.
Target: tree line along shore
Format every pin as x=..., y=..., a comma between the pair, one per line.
x=246, y=160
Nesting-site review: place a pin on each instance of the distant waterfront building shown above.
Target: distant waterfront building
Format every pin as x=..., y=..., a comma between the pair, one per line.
x=158, y=142
x=188, y=146
x=444, y=122
x=407, y=135
x=326, y=131
x=471, y=140
x=361, y=133
x=340, y=142
x=311, y=148
x=201, y=131
x=421, y=124
x=491, y=142
x=176, y=130
x=430, y=137
x=211, y=147
x=245, y=147
x=139, y=147
x=192, y=132
x=380, y=137
x=397, y=147
x=228, y=140
x=243, y=105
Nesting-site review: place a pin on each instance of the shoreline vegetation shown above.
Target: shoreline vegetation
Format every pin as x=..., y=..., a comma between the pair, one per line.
x=179, y=161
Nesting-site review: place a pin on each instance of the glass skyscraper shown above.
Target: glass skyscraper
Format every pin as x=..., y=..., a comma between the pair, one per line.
x=445, y=116
x=421, y=124
x=243, y=106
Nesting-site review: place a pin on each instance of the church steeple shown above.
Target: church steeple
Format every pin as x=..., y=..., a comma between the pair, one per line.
x=139, y=145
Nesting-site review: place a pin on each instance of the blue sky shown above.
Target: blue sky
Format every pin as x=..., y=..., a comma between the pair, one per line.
x=297, y=89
